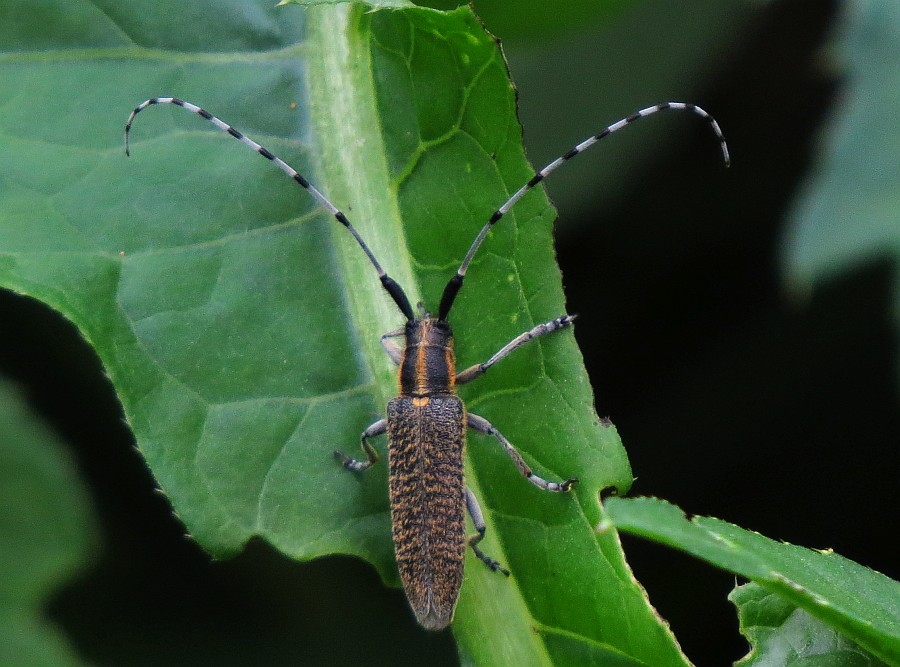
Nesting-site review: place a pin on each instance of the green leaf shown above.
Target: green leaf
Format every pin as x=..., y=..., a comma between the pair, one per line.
x=860, y=603
x=849, y=211
x=536, y=20
x=240, y=324
x=378, y=4
x=47, y=534
x=781, y=634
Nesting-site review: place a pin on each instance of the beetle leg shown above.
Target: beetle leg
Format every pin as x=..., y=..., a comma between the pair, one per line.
x=547, y=327
x=482, y=425
x=376, y=429
x=393, y=349
x=478, y=520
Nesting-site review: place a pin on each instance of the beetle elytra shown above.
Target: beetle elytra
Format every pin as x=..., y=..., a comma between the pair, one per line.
x=426, y=423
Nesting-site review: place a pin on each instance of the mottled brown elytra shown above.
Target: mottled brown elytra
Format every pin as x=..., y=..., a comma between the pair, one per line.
x=426, y=424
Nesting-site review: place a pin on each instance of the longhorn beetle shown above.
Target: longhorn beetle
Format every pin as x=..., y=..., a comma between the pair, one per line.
x=426, y=424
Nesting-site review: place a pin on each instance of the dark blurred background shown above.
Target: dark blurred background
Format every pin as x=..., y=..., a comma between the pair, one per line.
x=735, y=397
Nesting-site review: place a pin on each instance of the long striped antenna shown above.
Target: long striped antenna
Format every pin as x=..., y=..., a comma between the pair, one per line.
x=392, y=287
x=455, y=283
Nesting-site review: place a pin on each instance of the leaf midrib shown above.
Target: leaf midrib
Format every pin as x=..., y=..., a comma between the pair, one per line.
x=339, y=31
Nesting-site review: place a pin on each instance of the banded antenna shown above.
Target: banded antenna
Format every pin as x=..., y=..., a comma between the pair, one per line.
x=456, y=282
x=392, y=287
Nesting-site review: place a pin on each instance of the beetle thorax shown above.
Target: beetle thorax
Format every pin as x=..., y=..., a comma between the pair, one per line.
x=428, y=367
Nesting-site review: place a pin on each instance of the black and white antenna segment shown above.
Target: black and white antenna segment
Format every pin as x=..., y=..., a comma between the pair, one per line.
x=455, y=283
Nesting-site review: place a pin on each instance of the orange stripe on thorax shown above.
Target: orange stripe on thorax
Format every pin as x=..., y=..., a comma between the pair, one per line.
x=421, y=369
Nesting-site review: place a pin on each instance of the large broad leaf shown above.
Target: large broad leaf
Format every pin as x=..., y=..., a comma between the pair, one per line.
x=47, y=533
x=849, y=211
x=862, y=604
x=240, y=324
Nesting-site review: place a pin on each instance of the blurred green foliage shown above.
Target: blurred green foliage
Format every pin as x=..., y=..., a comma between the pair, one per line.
x=47, y=534
x=848, y=212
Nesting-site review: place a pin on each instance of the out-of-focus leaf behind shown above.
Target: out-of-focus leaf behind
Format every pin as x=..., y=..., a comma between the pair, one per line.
x=849, y=210
x=46, y=535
